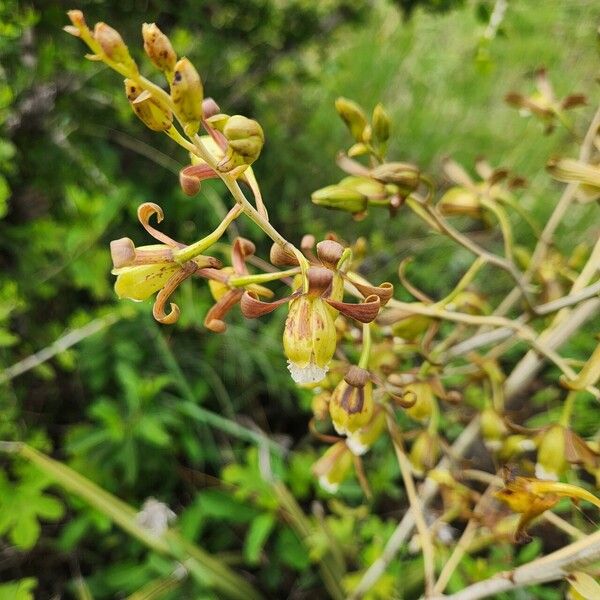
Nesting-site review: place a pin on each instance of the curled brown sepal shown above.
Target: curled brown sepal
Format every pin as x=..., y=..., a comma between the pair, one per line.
x=240, y=251
x=145, y=212
x=365, y=312
x=191, y=176
x=384, y=290
x=158, y=310
x=404, y=399
x=214, y=317
x=252, y=307
x=399, y=398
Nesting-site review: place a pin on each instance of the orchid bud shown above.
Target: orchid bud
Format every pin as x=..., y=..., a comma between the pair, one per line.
x=113, y=46
x=320, y=405
x=405, y=175
x=493, y=428
x=569, y=170
x=424, y=453
x=363, y=439
x=425, y=401
x=411, y=327
x=460, y=201
x=551, y=459
x=187, y=94
x=329, y=253
x=148, y=109
x=351, y=404
x=340, y=198
x=372, y=189
x=381, y=123
x=353, y=116
x=333, y=467
x=158, y=47
x=513, y=445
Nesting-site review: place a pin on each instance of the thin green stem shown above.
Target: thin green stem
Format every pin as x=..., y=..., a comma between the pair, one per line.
x=185, y=254
x=365, y=354
x=567, y=409
x=244, y=280
x=465, y=280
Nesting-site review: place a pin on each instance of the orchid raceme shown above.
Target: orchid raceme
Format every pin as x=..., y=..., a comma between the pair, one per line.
x=417, y=377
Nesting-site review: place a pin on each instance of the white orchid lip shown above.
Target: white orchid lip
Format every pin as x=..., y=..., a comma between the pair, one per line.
x=329, y=486
x=311, y=373
x=542, y=473
x=356, y=445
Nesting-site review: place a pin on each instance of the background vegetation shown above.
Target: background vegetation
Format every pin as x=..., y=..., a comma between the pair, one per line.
x=172, y=413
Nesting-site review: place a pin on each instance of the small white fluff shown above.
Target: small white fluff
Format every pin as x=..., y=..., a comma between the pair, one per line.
x=309, y=374
x=155, y=516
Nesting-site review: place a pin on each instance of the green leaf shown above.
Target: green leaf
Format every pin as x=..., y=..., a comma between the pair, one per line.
x=25, y=531
x=18, y=590
x=257, y=536
x=291, y=550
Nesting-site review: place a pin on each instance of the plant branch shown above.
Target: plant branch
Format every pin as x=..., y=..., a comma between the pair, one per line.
x=416, y=506
x=552, y=567
x=426, y=494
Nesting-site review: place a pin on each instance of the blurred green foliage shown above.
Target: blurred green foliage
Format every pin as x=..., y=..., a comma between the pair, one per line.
x=133, y=405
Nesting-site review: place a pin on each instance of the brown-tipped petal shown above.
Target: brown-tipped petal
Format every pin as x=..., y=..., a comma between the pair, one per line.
x=352, y=167
x=573, y=100
x=514, y=99
x=364, y=312
x=122, y=252
x=456, y=173
x=385, y=290
x=241, y=249
x=145, y=211
x=329, y=252
x=281, y=258
x=497, y=175
x=158, y=310
x=214, y=317
x=252, y=307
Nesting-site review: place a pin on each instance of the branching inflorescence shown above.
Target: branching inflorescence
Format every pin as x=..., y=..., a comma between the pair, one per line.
x=332, y=309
